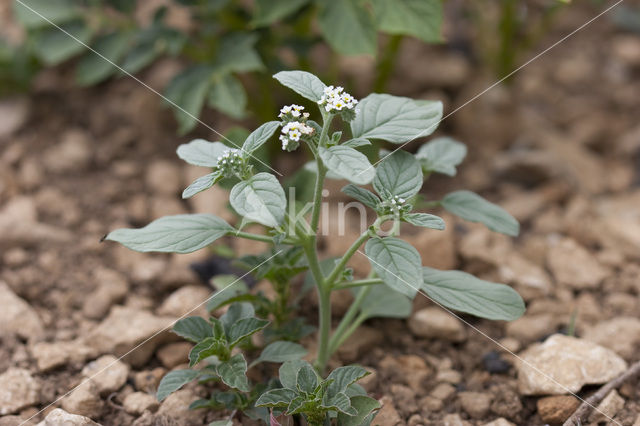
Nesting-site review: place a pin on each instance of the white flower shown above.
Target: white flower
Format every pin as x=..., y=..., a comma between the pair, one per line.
x=335, y=99
x=292, y=132
x=294, y=111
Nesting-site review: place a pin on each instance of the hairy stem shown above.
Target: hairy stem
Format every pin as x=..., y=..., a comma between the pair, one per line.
x=257, y=237
x=343, y=261
x=357, y=283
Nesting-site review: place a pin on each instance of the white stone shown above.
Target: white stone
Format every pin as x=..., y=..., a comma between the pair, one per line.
x=18, y=390
x=17, y=316
x=570, y=362
x=186, y=300
x=50, y=355
x=621, y=335
x=572, y=265
x=84, y=400
x=109, y=373
x=59, y=417
x=127, y=328
x=137, y=402
x=433, y=322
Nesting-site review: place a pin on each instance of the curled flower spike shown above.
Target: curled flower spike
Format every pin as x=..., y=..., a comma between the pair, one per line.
x=231, y=163
x=394, y=206
x=336, y=100
x=291, y=134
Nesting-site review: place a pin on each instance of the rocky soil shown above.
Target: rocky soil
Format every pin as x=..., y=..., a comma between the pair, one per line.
x=559, y=147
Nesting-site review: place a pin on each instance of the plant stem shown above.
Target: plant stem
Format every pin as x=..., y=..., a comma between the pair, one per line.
x=358, y=283
x=343, y=262
x=346, y=324
x=257, y=237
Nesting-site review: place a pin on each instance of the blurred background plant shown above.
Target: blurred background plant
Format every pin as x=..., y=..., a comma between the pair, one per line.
x=219, y=40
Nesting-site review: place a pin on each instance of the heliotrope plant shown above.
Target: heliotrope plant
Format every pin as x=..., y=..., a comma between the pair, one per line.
x=396, y=276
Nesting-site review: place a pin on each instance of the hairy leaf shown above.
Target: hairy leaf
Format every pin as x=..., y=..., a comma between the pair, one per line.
x=228, y=96
x=288, y=372
x=233, y=373
x=366, y=197
x=425, y=220
x=348, y=163
x=200, y=152
x=397, y=263
x=183, y=233
x=93, y=68
x=244, y=328
x=260, y=199
x=193, y=329
x=463, y=292
x=398, y=174
x=441, y=155
x=38, y=13
x=356, y=142
x=202, y=183
x=206, y=348
x=395, y=119
x=474, y=208
x=270, y=11
x=307, y=378
x=53, y=46
x=364, y=406
x=303, y=83
x=174, y=380
x=343, y=377
x=276, y=398
x=339, y=402
x=259, y=136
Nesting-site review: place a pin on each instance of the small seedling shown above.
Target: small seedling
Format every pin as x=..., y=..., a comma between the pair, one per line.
x=396, y=276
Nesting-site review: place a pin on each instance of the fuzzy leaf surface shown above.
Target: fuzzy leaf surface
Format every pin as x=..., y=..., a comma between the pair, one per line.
x=397, y=263
x=260, y=199
x=193, y=329
x=424, y=220
x=441, y=155
x=348, y=163
x=463, y=292
x=184, y=233
x=398, y=174
x=395, y=119
x=233, y=373
x=474, y=208
x=200, y=152
x=174, y=380
x=303, y=83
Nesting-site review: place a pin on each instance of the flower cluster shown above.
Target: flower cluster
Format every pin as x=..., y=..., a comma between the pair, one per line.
x=335, y=100
x=394, y=206
x=231, y=163
x=291, y=134
x=292, y=113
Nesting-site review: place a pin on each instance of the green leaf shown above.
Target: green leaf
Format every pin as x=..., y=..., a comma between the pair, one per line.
x=93, y=68
x=235, y=313
x=281, y=352
x=348, y=27
x=348, y=163
x=339, y=402
x=244, y=328
x=418, y=18
x=174, y=380
x=425, y=220
x=233, y=373
x=53, y=46
x=238, y=54
x=303, y=83
x=383, y=302
x=307, y=379
x=260, y=199
x=38, y=13
x=398, y=174
x=140, y=56
x=259, y=136
x=208, y=347
x=397, y=263
x=269, y=11
x=395, y=119
x=356, y=142
x=183, y=233
x=200, y=152
x=474, y=208
x=441, y=155
x=189, y=90
x=366, y=197
x=364, y=406
x=276, y=398
x=201, y=184
x=463, y=292
x=193, y=329
x=227, y=95
x=288, y=373
x=344, y=376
